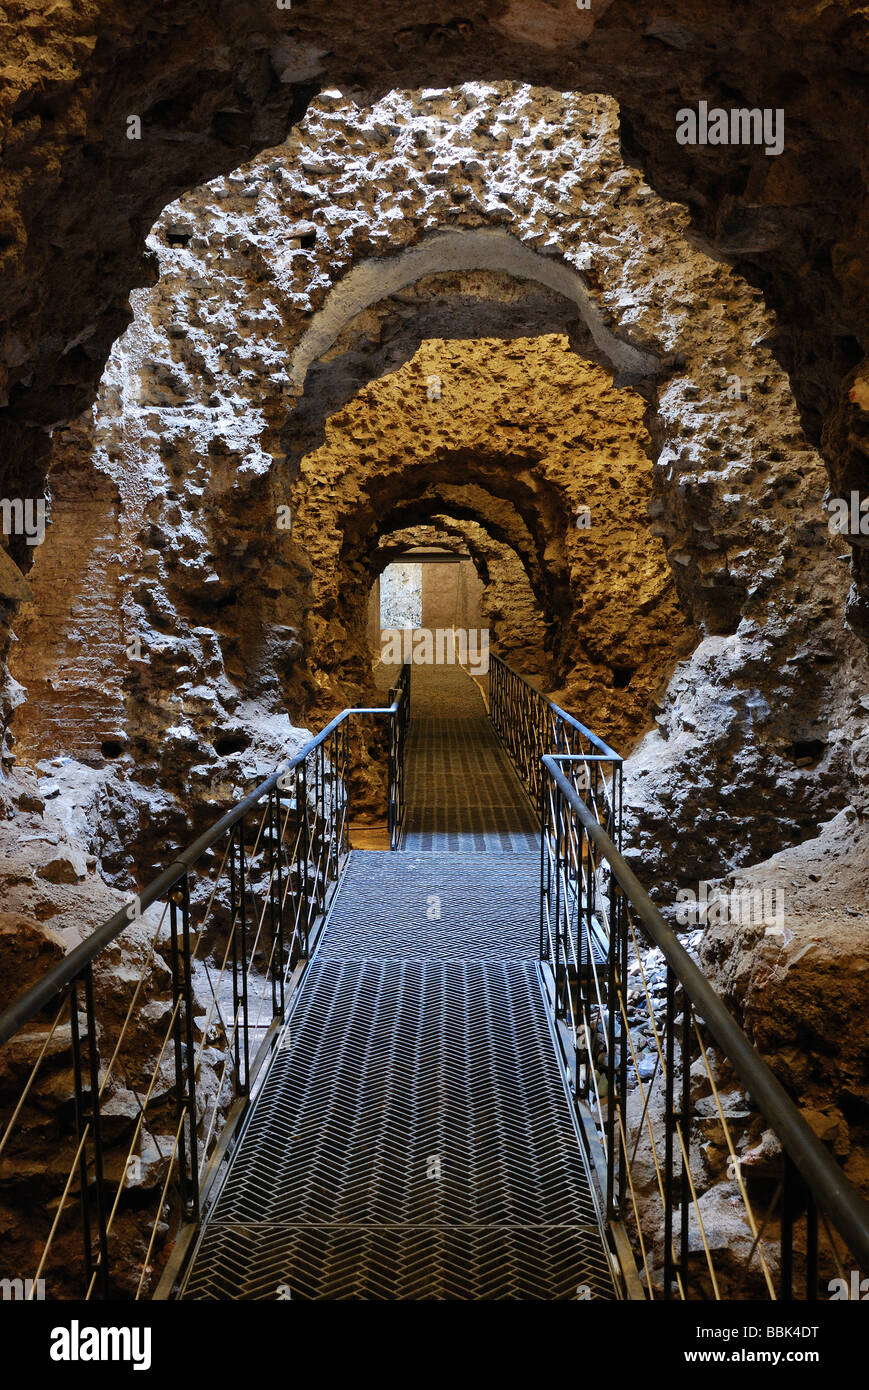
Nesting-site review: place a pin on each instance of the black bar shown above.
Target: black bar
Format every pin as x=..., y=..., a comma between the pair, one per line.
x=242, y=890
x=190, y=1098
x=669, y=1121
x=622, y=1093
x=233, y=937
x=178, y=1046
x=79, y=1132
x=302, y=859
x=614, y=1137
x=96, y=1131
x=788, y=1212
x=811, y=1249
x=685, y=1146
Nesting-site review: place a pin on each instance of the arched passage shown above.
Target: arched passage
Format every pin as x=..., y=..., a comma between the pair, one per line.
x=510, y=611
x=195, y=429
x=541, y=450
x=472, y=248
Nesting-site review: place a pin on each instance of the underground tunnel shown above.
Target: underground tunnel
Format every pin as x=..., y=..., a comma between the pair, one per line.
x=435, y=698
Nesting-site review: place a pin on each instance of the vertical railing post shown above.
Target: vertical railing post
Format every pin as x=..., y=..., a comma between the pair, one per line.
x=81, y=1141
x=320, y=829
x=96, y=1129
x=333, y=823
x=238, y=908
x=344, y=785
x=684, y=1120
x=391, y=772
x=545, y=874
x=623, y=937
x=185, y=1050
x=559, y=835
x=276, y=900
x=788, y=1213
x=811, y=1247
x=303, y=853
x=615, y=1160
x=242, y=922
x=581, y=1018
x=233, y=939
x=586, y=887
x=538, y=719
x=669, y=1121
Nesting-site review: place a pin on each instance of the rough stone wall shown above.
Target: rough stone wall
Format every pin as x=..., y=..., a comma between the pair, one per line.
x=250, y=267
x=209, y=83
x=70, y=636
x=801, y=992
x=212, y=86
x=523, y=435
x=401, y=596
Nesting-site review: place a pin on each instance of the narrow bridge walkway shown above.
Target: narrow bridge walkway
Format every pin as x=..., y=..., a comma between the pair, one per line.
x=414, y=1138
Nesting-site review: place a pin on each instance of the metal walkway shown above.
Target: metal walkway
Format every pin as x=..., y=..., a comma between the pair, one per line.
x=414, y=1138
x=462, y=793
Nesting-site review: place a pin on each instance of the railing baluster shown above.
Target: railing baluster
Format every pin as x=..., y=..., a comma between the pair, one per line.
x=177, y=1041
x=811, y=1248
x=559, y=844
x=96, y=1129
x=185, y=1050
x=318, y=824
x=242, y=923
x=622, y=1093
x=276, y=903
x=669, y=1123
x=685, y=1126
x=303, y=855
x=320, y=882
x=80, y=1123
x=233, y=916
x=614, y=1108
x=788, y=1214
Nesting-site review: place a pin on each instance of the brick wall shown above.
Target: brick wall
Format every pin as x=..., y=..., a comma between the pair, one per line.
x=70, y=653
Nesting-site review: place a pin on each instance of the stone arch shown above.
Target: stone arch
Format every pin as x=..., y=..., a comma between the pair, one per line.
x=442, y=306
x=207, y=408
x=284, y=233
x=516, y=621
x=526, y=439
x=470, y=248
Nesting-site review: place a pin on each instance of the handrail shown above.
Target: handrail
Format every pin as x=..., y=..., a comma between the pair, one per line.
x=530, y=725
x=604, y=748
x=255, y=887
x=826, y=1180
x=23, y=1009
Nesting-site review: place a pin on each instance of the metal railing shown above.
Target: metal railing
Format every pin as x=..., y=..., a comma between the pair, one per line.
x=681, y=1105
x=125, y=1070
x=399, y=699
x=530, y=725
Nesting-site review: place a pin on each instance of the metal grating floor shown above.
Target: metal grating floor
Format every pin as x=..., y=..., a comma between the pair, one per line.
x=462, y=790
x=413, y=1140
x=436, y=907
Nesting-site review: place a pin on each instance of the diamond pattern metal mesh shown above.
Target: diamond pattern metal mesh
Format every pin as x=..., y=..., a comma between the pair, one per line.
x=414, y=1130
x=436, y=907
x=462, y=790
